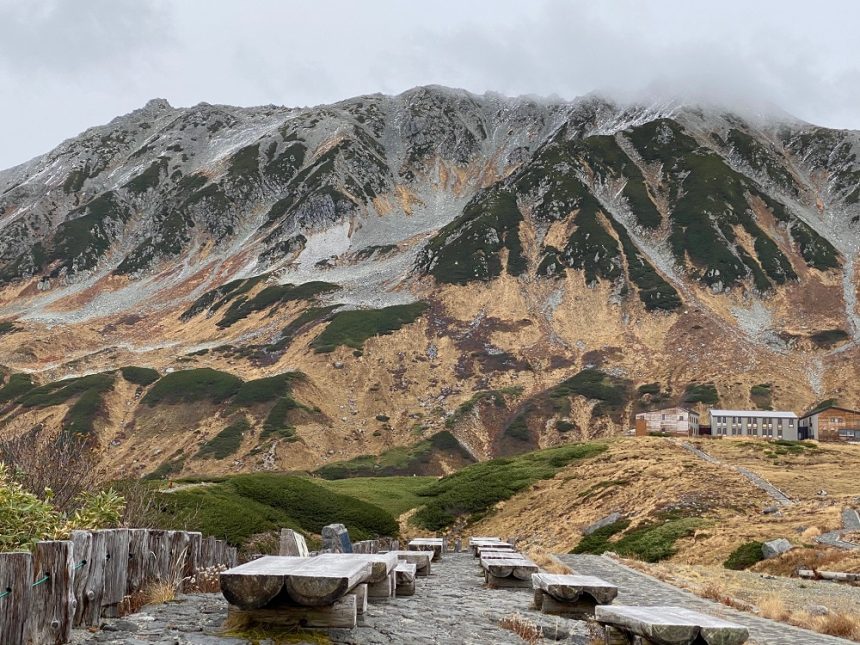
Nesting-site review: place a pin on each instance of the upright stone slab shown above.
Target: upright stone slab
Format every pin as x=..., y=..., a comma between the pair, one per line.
x=335, y=539
x=293, y=544
x=16, y=575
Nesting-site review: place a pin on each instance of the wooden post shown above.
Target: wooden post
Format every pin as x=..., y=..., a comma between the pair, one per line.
x=158, y=555
x=95, y=584
x=192, y=562
x=220, y=552
x=83, y=542
x=52, y=596
x=232, y=556
x=207, y=552
x=116, y=570
x=179, y=542
x=16, y=576
x=138, y=550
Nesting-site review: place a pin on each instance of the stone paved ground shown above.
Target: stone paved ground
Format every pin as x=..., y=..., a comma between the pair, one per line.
x=450, y=607
x=636, y=588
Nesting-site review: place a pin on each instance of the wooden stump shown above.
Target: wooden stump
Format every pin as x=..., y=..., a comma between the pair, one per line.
x=192, y=561
x=179, y=551
x=158, y=555
x=83, y=543
x=52, y=596
x=207, y=552
x=16, y=576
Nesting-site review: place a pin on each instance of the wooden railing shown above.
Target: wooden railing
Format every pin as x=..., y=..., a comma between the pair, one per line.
x=76, y=582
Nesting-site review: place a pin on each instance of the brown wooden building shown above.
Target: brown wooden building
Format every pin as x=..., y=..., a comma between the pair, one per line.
x=830, y=423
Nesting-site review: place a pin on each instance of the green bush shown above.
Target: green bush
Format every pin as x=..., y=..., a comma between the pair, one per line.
x=475, y=489
x=273, y=295
x=743, y=557
x=226, y=442
x=598, y=541
x=352, y=328
x=701, y=393
x=80, y=417
x=190, y=386
x=142, y=376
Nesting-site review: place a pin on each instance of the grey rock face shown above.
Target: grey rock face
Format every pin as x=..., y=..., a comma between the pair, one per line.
x=599, y=524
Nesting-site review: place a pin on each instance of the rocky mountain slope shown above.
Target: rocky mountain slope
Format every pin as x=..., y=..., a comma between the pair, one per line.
x=510, y=272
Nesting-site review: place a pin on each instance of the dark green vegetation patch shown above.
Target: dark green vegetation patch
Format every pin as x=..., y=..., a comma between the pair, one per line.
x=411, y=460
x=762, y=396
x=241, y=506
x=352, y=328
x=701, y=393
x=267, y=389
x=226, y=442
x=16, y=386
x=743, y=557
x=142, y=376
x=473, y=491
x=271, y=296
x=190, y=386
x=650, y=542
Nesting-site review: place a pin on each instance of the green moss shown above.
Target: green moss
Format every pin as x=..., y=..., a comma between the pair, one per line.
x=271, y=296
x=701, y=393
x=190, y=386
x=142, y=376
x=15, y=387
x=409, y=460
x=226, y=442
x=395, y=495
x=743, y=557
x=473, y=491
x=352, y=328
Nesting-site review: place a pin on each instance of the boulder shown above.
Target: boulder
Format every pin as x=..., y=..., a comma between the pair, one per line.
x=599, y=524
x=817, y=610
x=774, y=548
x=335, y=539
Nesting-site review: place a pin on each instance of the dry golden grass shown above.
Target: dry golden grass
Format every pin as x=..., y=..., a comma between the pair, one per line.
x=159, y=592
x=546, y=560
x=839, y=624
x=819, y=558
x=523, y=627
x=773, y=607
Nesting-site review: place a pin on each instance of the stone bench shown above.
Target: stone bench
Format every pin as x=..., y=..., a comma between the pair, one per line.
x=405, y=574
x=296, y=591
x=508, y=572
x=421, y=560
x=499, y=553
x=436, y=545
x=571, y=596
x=666, y=626
x=380, y=582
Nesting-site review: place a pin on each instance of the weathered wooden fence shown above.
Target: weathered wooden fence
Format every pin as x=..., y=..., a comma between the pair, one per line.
x=75, y=582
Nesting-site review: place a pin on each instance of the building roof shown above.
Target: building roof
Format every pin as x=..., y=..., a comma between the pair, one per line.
x=673, y=408
x=821, y=408
x=767, y=414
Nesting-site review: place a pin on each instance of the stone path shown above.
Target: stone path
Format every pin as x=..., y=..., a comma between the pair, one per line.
x=450, y=607
x=637, y=588
x=850, y=523
x=757, y=481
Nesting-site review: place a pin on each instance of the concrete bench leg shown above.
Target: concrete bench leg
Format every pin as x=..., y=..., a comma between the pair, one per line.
x=383, y=589
x=507, y=583
x=360, y=593
x=538, y=599
x=342, y=614
x=581, y=609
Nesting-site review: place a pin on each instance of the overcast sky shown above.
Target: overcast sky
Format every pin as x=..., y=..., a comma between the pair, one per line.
x=68, y=64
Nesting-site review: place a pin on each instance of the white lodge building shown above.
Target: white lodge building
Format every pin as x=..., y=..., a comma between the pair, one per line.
x=754, y=423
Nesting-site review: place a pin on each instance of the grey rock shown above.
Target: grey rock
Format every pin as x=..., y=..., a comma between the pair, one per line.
x=773, y=548
x=599, y=524
x=817, y=610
